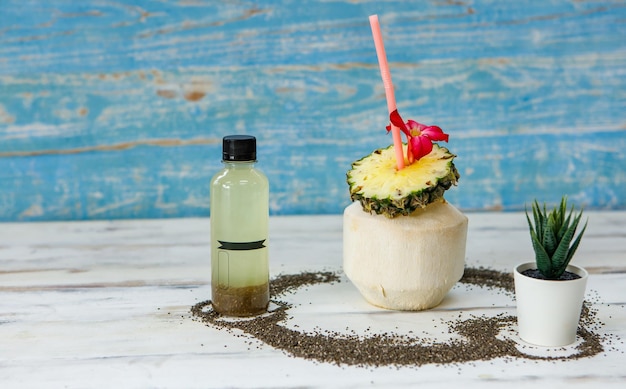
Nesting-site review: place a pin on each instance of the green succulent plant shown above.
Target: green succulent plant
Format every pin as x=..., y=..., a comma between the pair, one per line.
x=552, y=236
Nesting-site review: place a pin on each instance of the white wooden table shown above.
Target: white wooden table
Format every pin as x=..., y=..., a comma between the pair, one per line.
x=107, y=304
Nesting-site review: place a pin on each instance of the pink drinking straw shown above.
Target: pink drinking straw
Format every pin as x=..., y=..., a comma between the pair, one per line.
x=391, y=98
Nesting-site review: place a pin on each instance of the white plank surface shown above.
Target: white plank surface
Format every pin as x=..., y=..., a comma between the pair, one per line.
x=107, y=304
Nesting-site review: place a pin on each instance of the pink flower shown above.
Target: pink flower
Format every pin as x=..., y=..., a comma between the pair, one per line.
x=419, y=136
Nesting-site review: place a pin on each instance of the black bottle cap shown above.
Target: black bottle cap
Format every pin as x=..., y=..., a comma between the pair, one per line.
x=239, y=148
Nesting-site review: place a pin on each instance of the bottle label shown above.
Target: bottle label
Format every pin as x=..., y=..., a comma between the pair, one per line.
x=241, y=246
x=240, y=264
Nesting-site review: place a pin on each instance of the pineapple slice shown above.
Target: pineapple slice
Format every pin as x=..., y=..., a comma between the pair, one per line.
x=383, y=189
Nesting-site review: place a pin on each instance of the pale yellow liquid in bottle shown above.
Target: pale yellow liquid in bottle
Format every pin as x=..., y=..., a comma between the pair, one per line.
x=239, y=240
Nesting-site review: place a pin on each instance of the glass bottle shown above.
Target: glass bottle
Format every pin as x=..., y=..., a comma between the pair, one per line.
x=239, y=231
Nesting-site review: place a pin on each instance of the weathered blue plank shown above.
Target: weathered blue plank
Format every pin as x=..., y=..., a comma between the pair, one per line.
x=114, y=110
x=94, y=36
x=173, y=181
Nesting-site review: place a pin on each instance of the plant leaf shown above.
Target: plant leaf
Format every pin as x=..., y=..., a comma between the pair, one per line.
x=542, y=258
x=565, y=225
x=574, y=247
x=559, y=259
x=530, y=224
x=538, y=220
x=549, y=241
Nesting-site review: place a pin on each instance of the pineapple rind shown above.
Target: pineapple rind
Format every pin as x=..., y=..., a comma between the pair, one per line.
x=392, y=206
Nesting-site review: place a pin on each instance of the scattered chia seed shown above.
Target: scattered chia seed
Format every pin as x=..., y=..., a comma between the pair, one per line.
x=479, y=334
x=491, y=279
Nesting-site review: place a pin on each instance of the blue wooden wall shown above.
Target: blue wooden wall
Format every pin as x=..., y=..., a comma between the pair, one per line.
x=116, y=109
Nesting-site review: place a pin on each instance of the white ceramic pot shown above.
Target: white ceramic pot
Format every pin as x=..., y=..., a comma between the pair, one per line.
x=548, y=311
x=408, y=262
